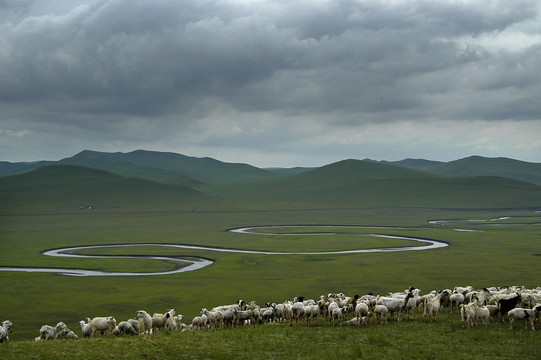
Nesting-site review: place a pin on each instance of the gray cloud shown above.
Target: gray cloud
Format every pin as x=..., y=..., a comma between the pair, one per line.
x=124, y=74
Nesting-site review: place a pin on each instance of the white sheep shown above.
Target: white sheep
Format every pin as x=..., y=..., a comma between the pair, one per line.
x=246, y=316
x=126, y=328
x=432, y=307
x=229, y=312
x=159, y=320
x=144, y=322
x=381, y=311
x=134, y=324
x=395, y=304
x=455, y=300
x=311, y=312
x=523, y=314
x=215, y=318
x=200, y=322
x=411, y=303
x=467, y=313
x=173, y=323
x=5, y=329
x=298, y=312
x=361, y=310
x=50, y=333
x=358, y=322
x=67, y=334
x=482, y=313
x=86, y=329
x=337, y=315
x=102, y=324
x=332, y=306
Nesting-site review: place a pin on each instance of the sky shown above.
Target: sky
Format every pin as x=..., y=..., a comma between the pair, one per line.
x=271, y=83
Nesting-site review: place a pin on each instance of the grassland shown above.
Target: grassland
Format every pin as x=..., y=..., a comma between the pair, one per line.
x=47, y=215
x=417, y=339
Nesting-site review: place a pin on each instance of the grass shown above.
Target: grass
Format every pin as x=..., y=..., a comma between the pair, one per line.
x=496, y=255
x=146, y=212
x=419, y=339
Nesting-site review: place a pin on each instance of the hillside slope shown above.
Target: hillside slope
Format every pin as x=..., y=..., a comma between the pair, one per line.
x=67, y=187
x=168, y=167
x=355, y=183
x=477, y=166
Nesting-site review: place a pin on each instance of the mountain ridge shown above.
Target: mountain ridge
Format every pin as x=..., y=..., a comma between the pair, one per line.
x=174, y=168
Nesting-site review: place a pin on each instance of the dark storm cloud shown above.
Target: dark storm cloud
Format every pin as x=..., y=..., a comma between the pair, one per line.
x=136, y=69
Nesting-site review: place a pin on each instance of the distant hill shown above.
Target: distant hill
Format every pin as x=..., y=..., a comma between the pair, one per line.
x=10, y=168
x=173, y=168
x=477, y=166
x=68, y=187
x=347, y=183
x=168, y=167
x=482, y=166
x=290, y=171
x=417, y=164
x=356, y=183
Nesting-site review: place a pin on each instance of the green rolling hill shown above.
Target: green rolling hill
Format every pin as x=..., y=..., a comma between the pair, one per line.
x=152, y=180
x=478, y=166
x=355, y=183
x=168, y=167
x=68, y=187
x=481, y=166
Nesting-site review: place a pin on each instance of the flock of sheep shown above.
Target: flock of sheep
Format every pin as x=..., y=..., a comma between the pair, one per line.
x=474, y=306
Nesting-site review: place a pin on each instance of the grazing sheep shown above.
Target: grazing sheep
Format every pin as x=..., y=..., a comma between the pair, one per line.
x=173, y=323
x=267, y=314
x=5, y=329
x=482, y=313
x=411, y=303
x=134, y=324
x=467, y=313
x=126, y=328
x=432, y=306
x=508, y=303
x=50, y=333
x=298, y=312
x=337, y=315
x=246, y=316
x=215, y=318
x=200, y=322
x=86, y=329
x=159, y=320
x=145, y=322
x=67, y=334
x=455, y=300
x=361, y=310
x=102, y=324
x=310, y=313
x=494, y=311
x=523, y=314
x=332, y=306
x=381, y=312
x=395, y=304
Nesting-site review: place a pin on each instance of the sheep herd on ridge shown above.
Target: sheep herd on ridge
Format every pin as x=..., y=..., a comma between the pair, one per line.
x=474, y=307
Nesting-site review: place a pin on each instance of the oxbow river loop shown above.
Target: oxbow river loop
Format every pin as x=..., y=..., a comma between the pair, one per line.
x=200, y=263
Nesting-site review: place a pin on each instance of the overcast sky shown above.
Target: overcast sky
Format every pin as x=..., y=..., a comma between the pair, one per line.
x=271, y=83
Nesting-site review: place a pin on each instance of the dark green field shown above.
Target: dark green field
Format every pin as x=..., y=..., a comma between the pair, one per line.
x=45, y=209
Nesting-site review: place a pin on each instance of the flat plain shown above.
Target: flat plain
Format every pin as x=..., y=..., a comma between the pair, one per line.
x=493, y=241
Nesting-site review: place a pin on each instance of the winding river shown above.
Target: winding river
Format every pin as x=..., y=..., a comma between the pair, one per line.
x=199, y=263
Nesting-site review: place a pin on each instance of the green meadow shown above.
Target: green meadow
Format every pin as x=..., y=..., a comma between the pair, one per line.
x=42, y=210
